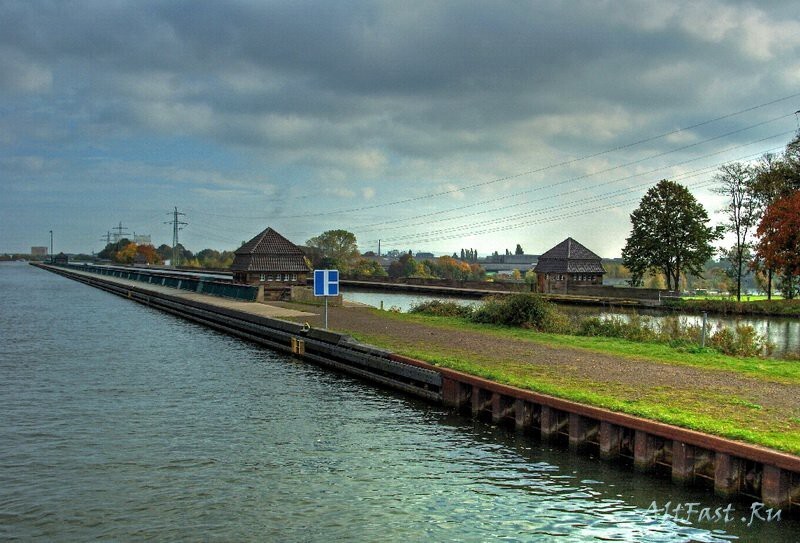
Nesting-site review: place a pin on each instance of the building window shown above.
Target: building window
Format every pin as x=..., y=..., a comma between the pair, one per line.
x=263, y=278
x=294, y=277
x=270, y=278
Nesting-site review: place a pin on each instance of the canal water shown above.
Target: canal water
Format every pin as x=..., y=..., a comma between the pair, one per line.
x=782, y=332
x=122, y=423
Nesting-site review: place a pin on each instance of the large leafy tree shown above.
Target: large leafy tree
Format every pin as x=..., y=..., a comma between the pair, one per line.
x=335, y=248
x=779, y=243
x=736, y=181
x=670, y=234
x=777, y=176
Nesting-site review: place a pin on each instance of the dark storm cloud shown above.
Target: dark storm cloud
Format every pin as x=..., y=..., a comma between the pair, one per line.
x=436, y=66
x=349, y=92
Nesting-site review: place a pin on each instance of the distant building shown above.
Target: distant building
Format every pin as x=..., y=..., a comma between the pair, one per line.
x=61, y=259
x=271, y=260
x=424, y=256
x=38, y=251
x=508, y=263
x=568, y=264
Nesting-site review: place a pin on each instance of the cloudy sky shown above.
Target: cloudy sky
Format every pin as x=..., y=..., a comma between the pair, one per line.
x=431, y=126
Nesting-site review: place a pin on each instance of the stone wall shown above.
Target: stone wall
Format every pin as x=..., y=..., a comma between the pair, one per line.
x=305, y=295
x=606, y=291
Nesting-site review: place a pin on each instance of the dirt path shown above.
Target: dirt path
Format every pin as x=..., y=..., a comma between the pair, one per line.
x=631, y=380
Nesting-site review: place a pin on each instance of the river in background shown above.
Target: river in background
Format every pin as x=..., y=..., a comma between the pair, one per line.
x=121, y=423
x=782, y=332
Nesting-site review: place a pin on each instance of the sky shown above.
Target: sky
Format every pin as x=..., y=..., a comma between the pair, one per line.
x=431, y=126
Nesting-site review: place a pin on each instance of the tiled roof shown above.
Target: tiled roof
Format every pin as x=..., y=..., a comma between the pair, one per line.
x=569, y=256
x=269, y=252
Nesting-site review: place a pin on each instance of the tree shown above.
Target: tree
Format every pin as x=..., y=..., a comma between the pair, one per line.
x=518, y=250
x=779, y=243
x=126, y=254
x=368, y=268
x=149, y=253
x=669, y=234
x=776, y=177
x=164, y=251
x=335, y=248
x=736, y=183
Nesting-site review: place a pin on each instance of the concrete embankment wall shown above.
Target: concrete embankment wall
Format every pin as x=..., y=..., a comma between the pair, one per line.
x=321, y=346
x=731, y=468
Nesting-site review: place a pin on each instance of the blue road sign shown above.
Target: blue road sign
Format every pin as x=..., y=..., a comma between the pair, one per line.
x=326, y=282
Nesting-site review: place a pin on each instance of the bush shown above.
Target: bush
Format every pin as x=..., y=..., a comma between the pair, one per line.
x=634, y=329
x=440, y=308
x=523, y=310
x=740, y=341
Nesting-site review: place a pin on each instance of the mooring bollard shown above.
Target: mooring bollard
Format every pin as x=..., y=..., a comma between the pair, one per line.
x=381, y=305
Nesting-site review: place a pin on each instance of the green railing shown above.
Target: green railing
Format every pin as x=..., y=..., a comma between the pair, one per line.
x=189, y=283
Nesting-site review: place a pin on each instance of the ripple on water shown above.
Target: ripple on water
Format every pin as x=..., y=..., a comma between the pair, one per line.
x=122, y=423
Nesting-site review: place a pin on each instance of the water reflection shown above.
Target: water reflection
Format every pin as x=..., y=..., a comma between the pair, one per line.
x=782, y=332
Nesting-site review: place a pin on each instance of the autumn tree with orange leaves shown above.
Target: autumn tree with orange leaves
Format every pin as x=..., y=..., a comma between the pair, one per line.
x=779, y=244
x=150, y=254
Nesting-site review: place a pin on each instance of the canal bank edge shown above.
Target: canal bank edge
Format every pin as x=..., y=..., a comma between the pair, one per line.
x=734, y=468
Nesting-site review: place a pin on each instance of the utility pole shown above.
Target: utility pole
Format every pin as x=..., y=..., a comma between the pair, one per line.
x=51, y=246
x=176, y=225
x=379, y=247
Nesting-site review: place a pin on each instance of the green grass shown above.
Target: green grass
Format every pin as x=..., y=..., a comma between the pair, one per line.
x=729, y=306
x=776, y=370
x=724, y=413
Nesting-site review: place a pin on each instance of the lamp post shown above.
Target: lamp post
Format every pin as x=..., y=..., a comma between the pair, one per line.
x=51, y=246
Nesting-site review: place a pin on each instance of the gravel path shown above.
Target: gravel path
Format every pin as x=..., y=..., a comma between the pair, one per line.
x=633, y=378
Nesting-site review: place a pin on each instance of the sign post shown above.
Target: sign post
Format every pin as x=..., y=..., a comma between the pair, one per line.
x=326, y=283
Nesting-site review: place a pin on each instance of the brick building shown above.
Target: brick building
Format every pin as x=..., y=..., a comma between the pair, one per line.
x=568, y=264
x=272, y=261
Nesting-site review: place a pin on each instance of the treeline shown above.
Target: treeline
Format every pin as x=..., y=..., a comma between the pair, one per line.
x=126, y=252
x=443, y=267
x=339, y=249
x=671, y=236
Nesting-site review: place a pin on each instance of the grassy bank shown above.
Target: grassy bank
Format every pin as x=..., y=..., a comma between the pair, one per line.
x=732, y=413
x=775, y=308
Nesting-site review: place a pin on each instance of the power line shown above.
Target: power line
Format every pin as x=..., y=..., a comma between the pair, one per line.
x=552, y=166
x=452, y=233
x=483, y=203
x=120, y=232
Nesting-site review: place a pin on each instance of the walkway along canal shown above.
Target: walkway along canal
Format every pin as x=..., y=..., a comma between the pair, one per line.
x=733, y=468
x=782, y=332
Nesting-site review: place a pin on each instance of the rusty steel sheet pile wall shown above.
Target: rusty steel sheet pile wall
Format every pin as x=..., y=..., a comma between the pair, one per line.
x=733, y=468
